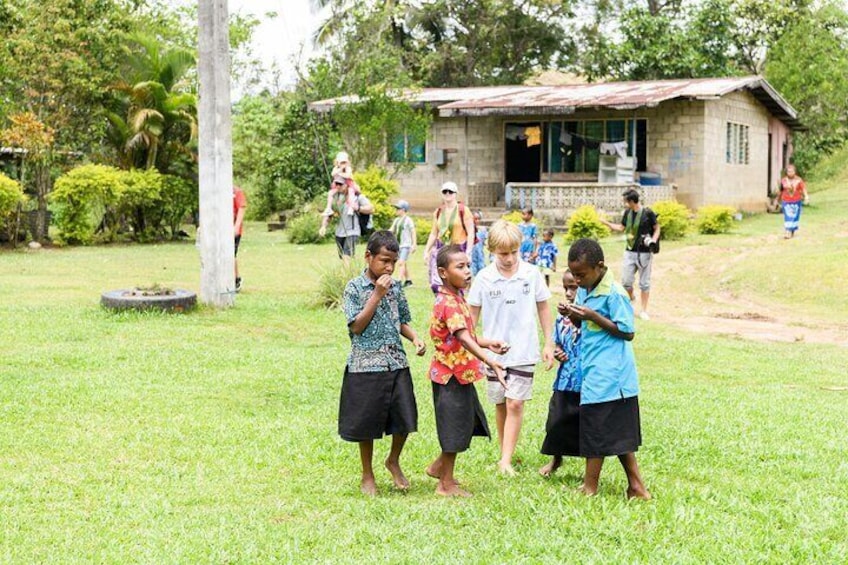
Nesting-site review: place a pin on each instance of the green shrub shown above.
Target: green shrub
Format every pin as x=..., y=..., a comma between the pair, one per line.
x=304, y=229
x=585, y=222
x=11, y=195
x=423, y=227
x=514, y=217
x=332, y=282
x=139, y=201
x=179, y=199
x=673, y=218
x=380, y=189
x=715, y=219
x=272, y=196
x=80, y=197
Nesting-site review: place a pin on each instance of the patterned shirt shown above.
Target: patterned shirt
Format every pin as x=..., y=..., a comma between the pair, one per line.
x=567, y=337
x=547, y=255
x=450, y=315
x=528, y=241
x=378, y=347
x=478, y=252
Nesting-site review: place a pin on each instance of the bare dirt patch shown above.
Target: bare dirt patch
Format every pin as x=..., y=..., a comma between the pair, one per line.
x=688, y=292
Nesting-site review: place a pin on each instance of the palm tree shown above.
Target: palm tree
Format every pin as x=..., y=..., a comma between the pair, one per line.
x=154, y=108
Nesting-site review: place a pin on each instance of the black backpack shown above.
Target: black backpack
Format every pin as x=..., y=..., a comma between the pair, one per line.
x=366, y=224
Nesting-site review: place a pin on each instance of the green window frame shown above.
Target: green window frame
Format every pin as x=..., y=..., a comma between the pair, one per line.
x=407, y=148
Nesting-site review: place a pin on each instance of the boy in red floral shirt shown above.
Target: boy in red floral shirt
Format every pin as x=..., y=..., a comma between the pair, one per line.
x=455, y=368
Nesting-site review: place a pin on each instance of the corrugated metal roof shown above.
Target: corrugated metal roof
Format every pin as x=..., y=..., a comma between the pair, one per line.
x=565, y=99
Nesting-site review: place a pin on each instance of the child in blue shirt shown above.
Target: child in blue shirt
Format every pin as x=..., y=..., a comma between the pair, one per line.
x=563, y=425
x=478, y=252
x=547, y=255
x=529, y=236
x=609, y=401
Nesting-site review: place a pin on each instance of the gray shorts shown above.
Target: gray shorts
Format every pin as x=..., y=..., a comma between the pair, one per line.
x=403, y=254
x=636, y=262
x=520, y=385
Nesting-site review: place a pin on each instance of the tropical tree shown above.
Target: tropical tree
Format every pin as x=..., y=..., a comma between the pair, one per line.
x=154, y=112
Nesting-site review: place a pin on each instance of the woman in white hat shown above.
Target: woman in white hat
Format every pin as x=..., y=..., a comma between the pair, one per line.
x=452, y=223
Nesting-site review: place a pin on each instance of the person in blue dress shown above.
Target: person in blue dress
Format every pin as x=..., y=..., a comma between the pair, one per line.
x=529, y=236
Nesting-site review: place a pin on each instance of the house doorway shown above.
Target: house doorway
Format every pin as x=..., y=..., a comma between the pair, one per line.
x=523, y=148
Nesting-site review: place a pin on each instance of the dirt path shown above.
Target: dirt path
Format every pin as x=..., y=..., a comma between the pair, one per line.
x=687, y=292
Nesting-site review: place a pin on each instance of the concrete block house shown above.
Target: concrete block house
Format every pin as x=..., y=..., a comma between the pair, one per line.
x=701, y=141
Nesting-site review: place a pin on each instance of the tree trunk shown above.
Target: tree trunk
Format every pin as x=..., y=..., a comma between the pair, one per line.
x=43, y=186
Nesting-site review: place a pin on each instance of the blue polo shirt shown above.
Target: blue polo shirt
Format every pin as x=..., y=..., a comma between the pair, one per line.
x=607, y=363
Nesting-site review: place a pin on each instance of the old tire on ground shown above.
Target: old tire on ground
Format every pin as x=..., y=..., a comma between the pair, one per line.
x=123, y=299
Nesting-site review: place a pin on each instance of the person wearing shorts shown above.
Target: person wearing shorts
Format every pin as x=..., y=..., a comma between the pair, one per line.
x=347, y=230
x=404, y=229
x=511, y=294
x=239, y=208
x=642, y=230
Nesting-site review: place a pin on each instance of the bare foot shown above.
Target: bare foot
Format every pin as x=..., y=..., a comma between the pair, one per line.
x=584, y=490
x=640, y=493
x=451, y=490
x=368, y=486
x=552, y=466
x=506, y=469
x=434, y=471
x=401, y=483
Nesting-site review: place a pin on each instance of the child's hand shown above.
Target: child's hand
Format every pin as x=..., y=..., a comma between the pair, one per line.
x=383, y=284
x=499, y=347
x=548, y=355
x=420, y=346
x=583, y=313
x=563, y=310
x=560, y=355
x=500, y=373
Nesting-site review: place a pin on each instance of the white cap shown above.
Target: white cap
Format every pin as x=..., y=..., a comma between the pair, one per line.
x=342, y=157
x=450, y=186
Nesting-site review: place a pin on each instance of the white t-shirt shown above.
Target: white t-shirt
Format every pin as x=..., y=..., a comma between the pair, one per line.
x=509, y=311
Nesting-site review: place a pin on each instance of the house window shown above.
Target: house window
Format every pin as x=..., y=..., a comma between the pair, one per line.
x=738, y=150
x=407, y=148
x=574, y=145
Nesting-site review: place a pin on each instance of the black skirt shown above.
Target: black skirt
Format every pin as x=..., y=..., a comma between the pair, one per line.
x=375, y=404
x=610, y=428
x=563, y=426
x=459, y=415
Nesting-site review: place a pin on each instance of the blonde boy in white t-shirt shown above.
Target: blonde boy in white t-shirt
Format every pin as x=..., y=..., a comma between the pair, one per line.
x=512, y=294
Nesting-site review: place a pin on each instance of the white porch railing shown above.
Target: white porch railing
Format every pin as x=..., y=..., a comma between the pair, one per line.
x=571, y=195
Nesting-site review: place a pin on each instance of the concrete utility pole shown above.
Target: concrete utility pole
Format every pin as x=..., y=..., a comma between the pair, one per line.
x=217, y=278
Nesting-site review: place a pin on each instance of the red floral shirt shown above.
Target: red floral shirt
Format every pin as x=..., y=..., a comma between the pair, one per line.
x=450, y=315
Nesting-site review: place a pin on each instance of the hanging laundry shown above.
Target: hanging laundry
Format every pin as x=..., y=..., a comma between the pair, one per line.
x=534, y=136
x=565, y=138
x=591, y=143
x=515, y=133
x=608, y=148
x=621, y=148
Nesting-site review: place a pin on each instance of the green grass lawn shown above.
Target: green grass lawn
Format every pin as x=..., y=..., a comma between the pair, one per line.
x=211, y=437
